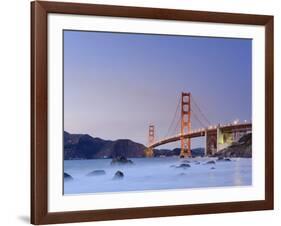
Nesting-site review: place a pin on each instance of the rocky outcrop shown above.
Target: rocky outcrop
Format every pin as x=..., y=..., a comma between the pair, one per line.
x=242, y=148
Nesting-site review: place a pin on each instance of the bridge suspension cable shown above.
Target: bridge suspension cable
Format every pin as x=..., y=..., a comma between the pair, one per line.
x=177, y=127
x=200, y=111
x=174, y=118
x=198, y=120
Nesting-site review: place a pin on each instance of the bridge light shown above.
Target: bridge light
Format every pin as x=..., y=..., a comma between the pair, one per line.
x=236, y=121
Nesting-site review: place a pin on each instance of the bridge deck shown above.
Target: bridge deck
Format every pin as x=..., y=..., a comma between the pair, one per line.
x=201, y=133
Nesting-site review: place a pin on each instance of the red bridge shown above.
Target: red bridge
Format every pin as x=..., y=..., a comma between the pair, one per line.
x=216, y=137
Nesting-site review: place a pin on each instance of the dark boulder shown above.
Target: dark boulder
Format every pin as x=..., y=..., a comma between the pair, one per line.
x=211, y=162
x=118, y=175
x=66, y=176
x=212, y=168
x=96, y=173
x=222, y=159
x=121, y=160
x=183, y=166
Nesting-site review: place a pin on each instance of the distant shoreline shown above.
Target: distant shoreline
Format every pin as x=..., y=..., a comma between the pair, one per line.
x=211, y=157
x=84, y=146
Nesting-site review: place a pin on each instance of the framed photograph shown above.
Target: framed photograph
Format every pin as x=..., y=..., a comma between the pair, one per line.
x=149, y=112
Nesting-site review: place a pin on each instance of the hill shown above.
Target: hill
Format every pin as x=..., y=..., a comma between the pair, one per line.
x=83, y=146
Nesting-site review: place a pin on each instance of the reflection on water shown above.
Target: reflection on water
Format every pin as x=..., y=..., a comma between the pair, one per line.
x=237, y=175
x=156, y=174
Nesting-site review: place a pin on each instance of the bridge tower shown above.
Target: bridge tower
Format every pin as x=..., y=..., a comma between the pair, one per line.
x=151, y=139
x=185, y=125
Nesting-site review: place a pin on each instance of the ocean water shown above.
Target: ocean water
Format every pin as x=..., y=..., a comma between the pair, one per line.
x=156, y=174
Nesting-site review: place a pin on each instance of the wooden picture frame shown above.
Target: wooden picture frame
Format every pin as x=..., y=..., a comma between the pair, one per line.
x=39, y=112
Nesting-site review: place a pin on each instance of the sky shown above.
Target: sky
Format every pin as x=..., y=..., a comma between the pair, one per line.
x=116, y=84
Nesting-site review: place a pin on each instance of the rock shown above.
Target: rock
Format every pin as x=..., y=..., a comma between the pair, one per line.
x=172, y=166
x=183, y=165
x=121, y=160
x=197, y=163
x=186, y=161
x=96, y=173
x=118, y=175
x=212, y=168
x=66, y=176
x=240, y=149
x=211, y=162
x=222, y=159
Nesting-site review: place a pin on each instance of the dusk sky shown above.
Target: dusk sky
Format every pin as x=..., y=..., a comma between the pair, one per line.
x=115, y=84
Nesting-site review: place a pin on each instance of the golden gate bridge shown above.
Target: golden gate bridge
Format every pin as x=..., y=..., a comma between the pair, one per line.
x=188, y=113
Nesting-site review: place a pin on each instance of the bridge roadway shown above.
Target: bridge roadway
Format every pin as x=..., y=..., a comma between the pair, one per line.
x=201, y=132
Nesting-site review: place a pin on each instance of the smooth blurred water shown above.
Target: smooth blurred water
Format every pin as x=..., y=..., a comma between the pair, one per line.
x=156, y=174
